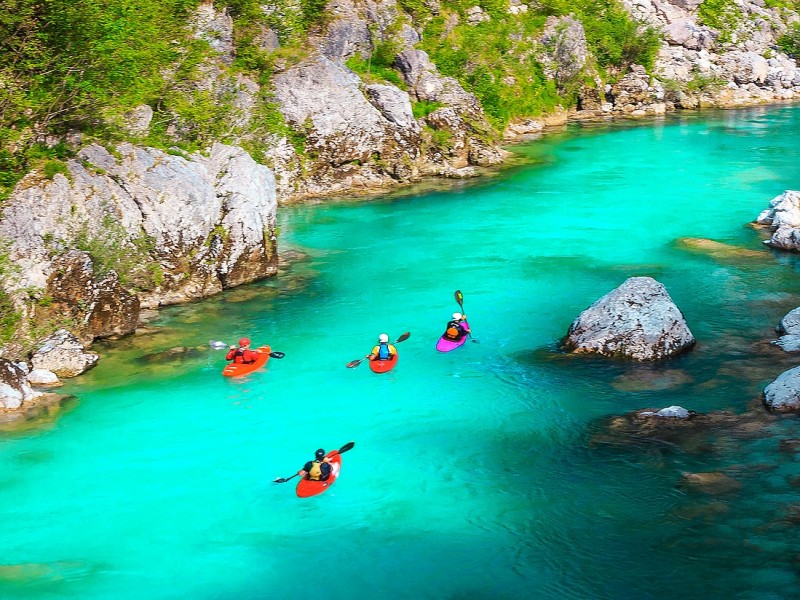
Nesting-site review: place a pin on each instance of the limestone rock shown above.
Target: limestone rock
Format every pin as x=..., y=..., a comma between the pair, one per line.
x=637, y=320
x=565, y=54
x=783, y=216
x=214, y=230
x=43, y=378
x=14, y=388
x=783, y=394
x=64, y=355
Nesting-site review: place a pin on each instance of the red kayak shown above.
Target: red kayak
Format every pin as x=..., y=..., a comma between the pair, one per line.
x=309, y=487
x=239, y=369
x=445, y=344
x=383, y=366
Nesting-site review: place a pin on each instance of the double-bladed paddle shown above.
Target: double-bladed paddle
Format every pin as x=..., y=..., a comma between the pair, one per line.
x=460, y=300
x=355, y=363
x=220, y=345
x=341, y=450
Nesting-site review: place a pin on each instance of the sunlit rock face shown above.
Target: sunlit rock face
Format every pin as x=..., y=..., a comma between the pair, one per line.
x=638, y=320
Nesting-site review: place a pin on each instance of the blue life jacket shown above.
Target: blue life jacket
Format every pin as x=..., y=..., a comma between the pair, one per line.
x=383, y=351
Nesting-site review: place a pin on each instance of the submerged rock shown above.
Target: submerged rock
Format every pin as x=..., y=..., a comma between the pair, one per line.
x=711, y=483
x=637, y=320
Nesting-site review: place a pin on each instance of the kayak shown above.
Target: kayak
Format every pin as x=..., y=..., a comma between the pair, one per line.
x=309, y=487
x=446, y=345
x=383, y=366
x=239, y=369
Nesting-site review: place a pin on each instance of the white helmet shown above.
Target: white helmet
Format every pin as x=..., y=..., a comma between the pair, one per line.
x=383, y=338
x=457, y=316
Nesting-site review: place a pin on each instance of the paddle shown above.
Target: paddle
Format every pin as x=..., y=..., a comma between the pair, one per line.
x=220, y=345
x=460, y=300
x=355, y=363
x=341, y=450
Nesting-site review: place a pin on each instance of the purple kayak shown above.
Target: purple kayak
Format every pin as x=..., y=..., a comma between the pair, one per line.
x=446, y=345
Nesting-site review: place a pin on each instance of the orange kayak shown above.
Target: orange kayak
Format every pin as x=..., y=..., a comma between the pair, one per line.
x=239, y=369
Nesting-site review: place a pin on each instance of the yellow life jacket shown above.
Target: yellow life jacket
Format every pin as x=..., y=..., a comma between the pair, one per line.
x=316, y=470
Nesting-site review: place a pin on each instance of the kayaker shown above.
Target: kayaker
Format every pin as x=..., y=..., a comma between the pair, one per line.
x=384, y=350
x=318, y=469
x=457, y=327
x=242, y=355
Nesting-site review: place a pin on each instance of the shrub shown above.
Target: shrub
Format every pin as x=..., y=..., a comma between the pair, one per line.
x=789, y=42
x=51, y=167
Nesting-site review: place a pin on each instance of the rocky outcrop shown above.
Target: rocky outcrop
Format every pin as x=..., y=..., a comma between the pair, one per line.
x=62, y=354
x=360, y=137
x=703, y=66
x=176, y=242
x=783, y=219
x=461, y=116
x=97, y=306
x=783, y=394
x=173, y=227
x=14, y=388
x=637, y=320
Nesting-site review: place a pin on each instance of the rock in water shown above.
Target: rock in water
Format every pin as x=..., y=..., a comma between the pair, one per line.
x=637, y=320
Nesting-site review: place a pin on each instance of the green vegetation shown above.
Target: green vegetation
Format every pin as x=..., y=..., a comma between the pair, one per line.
x=79, y=65
x=111, y=249
x=723, y=15
x=790, y=41
x=9, y=317
x=494, y=59
x=423, y=108
x=51, y=167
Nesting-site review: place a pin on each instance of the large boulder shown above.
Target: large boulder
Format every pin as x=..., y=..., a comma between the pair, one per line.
x=783, y=394
x=637, y=320
x=62, y=354
x=14, y=388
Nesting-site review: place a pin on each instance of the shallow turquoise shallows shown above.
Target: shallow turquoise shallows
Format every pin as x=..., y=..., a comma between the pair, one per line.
x=478, y=474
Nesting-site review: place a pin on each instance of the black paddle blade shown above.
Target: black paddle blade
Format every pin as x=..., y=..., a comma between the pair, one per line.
x=460, y=299
x=346, y=447
x=277, y=354
x=403, y=337
x=354, y=363
x=281, y=480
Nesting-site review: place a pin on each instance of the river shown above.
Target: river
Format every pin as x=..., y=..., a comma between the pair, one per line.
x=474, y=473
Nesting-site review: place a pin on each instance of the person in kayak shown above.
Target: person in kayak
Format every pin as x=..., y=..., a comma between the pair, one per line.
x=242, y=355
x=457, y=327
x=384, y=350
x=318, y=469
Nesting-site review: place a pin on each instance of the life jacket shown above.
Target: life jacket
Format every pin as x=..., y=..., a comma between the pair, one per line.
x=315, y=472
x=453, y=331
x=383, y=351
x=238, y=357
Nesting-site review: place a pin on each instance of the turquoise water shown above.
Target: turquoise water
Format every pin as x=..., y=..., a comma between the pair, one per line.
x=475, y=474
